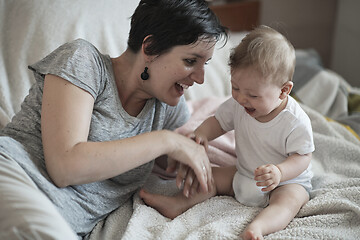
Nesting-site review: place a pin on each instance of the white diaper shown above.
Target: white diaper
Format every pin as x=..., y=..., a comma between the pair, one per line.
x=247, y=193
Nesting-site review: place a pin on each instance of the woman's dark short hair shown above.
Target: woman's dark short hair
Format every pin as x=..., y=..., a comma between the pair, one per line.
x=172, y=22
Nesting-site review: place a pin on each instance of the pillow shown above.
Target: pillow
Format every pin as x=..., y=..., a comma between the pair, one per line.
x=32, y=29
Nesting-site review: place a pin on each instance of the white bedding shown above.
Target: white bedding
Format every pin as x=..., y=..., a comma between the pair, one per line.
x=332, y=213
x=30, y=29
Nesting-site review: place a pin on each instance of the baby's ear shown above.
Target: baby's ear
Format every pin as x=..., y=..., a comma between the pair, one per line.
x=286, y=89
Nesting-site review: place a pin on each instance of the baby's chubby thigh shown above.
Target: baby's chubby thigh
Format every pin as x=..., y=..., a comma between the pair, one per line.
x=247, y=193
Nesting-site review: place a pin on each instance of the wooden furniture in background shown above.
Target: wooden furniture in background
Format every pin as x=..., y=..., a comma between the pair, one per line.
x=238, y=15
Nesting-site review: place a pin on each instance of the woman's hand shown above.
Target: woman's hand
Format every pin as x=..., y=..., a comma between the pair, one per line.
x=186, y=177
x=267, y=176
x=207, y=131
x=193, y=155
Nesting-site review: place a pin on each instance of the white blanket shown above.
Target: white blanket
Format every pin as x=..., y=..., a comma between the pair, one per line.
x=332, y=213
x=32, y=29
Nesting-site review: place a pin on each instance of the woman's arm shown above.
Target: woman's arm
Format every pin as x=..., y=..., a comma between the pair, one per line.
x=70, y=159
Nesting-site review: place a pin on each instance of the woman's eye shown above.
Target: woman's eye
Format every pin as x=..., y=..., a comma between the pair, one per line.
x=252, y=96
x=190, y=62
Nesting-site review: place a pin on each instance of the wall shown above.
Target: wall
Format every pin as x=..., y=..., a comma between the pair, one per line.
x=331, y=27
x=306, y=23
x=346, y=48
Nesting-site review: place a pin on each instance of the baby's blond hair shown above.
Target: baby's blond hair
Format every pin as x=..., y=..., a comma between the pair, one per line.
x=269, y=51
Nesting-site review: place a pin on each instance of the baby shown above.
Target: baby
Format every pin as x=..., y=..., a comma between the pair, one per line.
x=273, y=136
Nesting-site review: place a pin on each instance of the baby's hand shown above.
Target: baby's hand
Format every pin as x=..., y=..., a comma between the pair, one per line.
x=267, y=176
x=199, y=139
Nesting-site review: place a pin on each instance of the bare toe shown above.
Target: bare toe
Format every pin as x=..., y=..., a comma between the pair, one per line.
x=166, y=205
x=249, y=234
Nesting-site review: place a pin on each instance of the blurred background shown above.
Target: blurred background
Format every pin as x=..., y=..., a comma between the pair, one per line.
x=331, y=27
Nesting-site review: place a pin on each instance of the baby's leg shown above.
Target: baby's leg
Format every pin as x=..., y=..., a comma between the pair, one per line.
x=285, y=203
x=173, y=206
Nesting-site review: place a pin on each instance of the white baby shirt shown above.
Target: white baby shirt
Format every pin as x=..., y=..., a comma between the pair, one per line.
x=260, y=143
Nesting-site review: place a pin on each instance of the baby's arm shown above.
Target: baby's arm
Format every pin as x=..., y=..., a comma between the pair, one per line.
x=269, y=176
x=208, y=130
x=294, y=165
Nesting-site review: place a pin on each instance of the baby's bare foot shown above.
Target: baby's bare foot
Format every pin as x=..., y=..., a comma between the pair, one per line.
x=252, y=234
x=169, y=207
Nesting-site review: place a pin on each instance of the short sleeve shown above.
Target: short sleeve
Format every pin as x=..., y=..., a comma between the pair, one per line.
x=78, y=62
x=225, y=114
x=177, y=116
x=300, y=140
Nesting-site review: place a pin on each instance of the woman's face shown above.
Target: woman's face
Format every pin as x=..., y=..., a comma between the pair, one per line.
x=174, y=71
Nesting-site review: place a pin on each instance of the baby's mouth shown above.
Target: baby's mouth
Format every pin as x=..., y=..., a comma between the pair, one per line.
x=249, y=110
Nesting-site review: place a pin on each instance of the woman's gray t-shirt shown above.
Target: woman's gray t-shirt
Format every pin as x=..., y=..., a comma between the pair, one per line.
x=80, y=63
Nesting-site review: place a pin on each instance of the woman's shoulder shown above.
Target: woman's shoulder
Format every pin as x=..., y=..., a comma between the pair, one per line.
x=80, y=42
x=82, y=46
x=75, y=50
x=78, y=62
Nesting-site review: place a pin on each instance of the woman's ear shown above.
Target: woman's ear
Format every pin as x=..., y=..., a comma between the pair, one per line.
x=286, y=89
x=146, y=42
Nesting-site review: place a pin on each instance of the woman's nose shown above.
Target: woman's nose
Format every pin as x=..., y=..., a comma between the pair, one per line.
x=198, y=75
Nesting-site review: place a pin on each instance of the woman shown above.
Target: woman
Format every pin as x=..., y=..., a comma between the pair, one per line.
x=88, y=132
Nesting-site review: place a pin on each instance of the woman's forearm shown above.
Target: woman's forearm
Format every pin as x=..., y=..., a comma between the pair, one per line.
x=87, y=162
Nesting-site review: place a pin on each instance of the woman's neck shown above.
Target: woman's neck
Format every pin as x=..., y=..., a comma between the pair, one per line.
x=129, y=88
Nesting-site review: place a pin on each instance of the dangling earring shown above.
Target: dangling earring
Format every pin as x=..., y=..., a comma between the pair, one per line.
x=145, y=75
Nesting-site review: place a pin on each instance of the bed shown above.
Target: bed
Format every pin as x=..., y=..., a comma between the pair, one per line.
x=32, y=29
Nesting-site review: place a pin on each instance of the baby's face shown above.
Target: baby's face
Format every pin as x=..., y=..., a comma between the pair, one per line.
x=259, y=97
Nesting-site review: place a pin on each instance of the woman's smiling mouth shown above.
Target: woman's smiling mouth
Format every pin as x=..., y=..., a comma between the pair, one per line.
x=180, y=87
